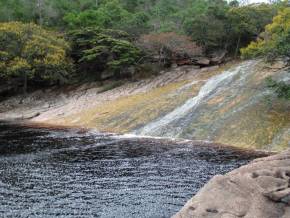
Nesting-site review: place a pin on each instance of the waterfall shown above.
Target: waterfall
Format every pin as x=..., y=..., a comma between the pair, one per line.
x=206, y=91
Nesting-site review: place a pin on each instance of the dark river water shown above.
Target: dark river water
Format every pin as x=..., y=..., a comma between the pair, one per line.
x=68, y=173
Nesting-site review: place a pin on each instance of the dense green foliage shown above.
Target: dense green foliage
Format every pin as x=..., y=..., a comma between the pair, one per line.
x=97, y=50
x=31, y=52
x=247, y=22
x=214, y=24
x=106, y=36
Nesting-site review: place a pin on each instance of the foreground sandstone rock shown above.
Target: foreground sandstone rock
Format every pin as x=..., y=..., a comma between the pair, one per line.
x=258, y=190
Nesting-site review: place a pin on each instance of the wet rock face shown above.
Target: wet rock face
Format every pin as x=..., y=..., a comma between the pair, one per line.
x=258, y=190
x=228, y=104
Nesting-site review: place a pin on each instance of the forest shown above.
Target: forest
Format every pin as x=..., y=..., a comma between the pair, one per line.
x=56, y=42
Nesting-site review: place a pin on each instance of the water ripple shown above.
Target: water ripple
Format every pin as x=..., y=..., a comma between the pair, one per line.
x=64, y=173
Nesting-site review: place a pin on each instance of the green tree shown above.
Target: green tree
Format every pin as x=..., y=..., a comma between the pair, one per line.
x=247, y=22
x=112, y=15
x=206, y=23
x=98, y=50
x=108, y=15
x=33, y=53
x=275, y=41
x=13, y=10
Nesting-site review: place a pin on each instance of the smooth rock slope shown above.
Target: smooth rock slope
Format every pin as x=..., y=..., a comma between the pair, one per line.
x=258, y=190
x=228, y=104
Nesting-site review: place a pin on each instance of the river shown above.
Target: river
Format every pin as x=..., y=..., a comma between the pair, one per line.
x=53, y=172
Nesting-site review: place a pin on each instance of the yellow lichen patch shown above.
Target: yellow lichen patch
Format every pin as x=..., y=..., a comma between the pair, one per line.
x=230, y=105
x=128, y=113
x=216, y=100
x=257, y=127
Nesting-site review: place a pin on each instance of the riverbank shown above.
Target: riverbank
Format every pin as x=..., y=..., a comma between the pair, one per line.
x=228, y=104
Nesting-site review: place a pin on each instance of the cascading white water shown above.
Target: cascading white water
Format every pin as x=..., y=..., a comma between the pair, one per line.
x=206, y=91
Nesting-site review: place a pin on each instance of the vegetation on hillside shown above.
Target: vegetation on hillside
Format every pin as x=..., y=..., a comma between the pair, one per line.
x=111, y=38
x=212, y=24
x=273, y=43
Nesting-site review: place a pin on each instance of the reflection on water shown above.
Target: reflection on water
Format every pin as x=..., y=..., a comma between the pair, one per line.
x=66, y=173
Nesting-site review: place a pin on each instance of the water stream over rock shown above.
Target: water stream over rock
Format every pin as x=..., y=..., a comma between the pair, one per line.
x=233, y=107
x=208, y=90
x=230, y=104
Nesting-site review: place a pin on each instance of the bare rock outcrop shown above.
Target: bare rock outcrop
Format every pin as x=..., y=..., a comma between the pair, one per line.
x=258, y=190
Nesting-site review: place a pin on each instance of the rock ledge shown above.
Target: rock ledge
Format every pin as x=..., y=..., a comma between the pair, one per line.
x=258, y=190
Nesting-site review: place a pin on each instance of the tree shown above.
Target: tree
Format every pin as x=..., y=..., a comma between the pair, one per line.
x=33, y=53
x=108, y=15
x=98, y=50
x=206, y=23
x=247, y=22
x=13, y=10
x=275, y=41
x=169, y=47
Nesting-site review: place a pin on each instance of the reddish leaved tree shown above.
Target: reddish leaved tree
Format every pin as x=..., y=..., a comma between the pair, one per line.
x=170, y=47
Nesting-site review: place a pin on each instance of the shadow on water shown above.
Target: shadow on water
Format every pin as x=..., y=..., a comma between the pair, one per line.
x=64, y=173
